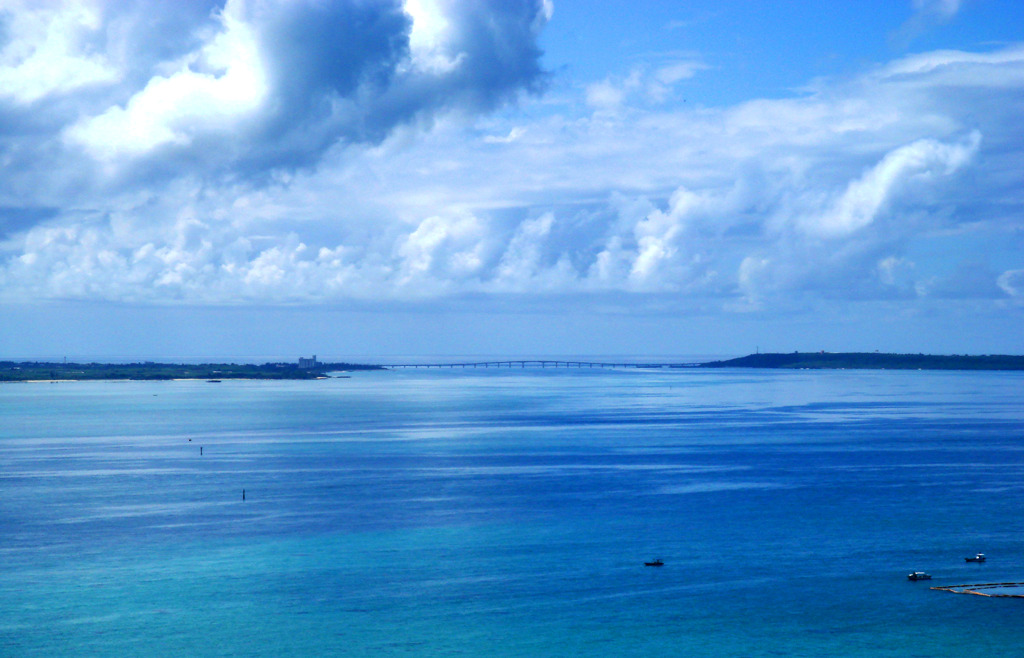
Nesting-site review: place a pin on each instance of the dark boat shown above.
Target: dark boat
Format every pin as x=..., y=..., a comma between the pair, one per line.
x=656, y=563
x=919, y=575
x=212, y=381
x=980, y=557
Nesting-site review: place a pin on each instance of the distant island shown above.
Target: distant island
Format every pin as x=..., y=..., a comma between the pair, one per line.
x=11, y=371
x=873, y=360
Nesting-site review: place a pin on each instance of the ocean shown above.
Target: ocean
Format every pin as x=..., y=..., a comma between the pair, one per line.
x=486, y=512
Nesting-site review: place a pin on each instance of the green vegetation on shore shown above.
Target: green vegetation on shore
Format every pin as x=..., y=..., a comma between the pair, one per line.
x=11, y=371
x=873, y=360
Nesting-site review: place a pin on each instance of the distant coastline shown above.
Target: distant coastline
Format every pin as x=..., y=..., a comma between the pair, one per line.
x=791, y=360
x=873, y=361
x=37, y=371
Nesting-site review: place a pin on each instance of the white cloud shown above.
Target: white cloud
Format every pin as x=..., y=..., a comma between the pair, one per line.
x=662, y=258
x=513, y=135
x=222, y=84
x=440, y=251
x=523, y=259
x=927, y=14
x=954, y=68
x=945, y=9
x=820, y=195
x=866, y=197
x=754, y=277
x=49, y=54
x=430, y=36
x=139, y=94
x=610, y=94
x=647, y=85
x=1012, y=282
x=677, y=71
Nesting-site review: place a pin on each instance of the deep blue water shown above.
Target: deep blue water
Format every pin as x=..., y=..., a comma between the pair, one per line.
x=509, y=513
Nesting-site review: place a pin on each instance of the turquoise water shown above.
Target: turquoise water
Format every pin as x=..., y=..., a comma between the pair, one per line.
x=509, y=513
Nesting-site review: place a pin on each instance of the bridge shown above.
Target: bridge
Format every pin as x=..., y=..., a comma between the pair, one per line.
x=543, y=363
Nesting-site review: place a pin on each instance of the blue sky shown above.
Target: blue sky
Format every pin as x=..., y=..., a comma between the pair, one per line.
x=432, y=177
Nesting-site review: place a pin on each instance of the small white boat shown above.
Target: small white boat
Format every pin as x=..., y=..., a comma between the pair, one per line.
x=918, y=575
x=980, y=557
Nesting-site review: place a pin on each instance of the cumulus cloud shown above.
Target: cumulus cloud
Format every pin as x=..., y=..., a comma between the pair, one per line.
x=439, y=253
x=418, y=193
x=867, y=196
x=225, y=83
x=251, y=87
x=49, y=53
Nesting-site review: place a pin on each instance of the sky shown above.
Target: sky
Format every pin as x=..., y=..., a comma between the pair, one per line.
x=365, y=178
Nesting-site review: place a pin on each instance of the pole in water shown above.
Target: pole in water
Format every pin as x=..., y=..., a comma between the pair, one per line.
x=200, y=451
x=243, y=494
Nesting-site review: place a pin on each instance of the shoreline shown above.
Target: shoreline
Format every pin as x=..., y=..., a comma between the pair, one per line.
x=174, y=379
x=873, y=361
x=41, y=372
x=36, y=371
